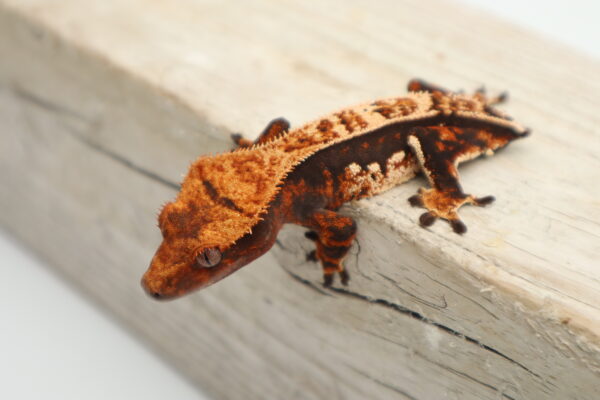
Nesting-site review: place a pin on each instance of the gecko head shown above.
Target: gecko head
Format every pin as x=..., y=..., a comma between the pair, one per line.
x=195, y=252
x=219, y=222
x=177, y=269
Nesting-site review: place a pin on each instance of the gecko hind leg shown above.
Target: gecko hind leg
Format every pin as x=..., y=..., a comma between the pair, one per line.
x=438, y=150
x=333, y=235
x=275, y=128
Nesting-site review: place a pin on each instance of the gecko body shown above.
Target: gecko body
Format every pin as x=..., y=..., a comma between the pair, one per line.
x=231, y=206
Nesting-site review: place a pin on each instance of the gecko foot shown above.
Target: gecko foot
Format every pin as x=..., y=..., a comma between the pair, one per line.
x=445, y=206
x=329, y=275
x=499, y=99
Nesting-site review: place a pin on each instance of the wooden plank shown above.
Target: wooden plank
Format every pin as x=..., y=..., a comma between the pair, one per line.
x=102, y=112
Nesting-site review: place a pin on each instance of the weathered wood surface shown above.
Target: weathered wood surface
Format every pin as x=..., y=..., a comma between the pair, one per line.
x=104, y=104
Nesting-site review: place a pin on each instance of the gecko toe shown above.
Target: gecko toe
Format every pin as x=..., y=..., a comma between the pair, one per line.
x=312, y=256
x=344, y=277
x=501, y=98
x=427, y=219
x=416, y=200
x=458, y=226
x=327, y=280
x=484, y=201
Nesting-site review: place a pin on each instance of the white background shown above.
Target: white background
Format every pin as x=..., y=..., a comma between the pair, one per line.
x=55, y=345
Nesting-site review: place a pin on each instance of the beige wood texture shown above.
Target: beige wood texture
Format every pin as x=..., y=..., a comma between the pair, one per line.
x=104, y=104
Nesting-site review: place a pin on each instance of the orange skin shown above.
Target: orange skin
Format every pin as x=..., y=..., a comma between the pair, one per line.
x=209, y=232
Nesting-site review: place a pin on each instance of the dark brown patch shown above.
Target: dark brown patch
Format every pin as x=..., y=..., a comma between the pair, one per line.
x=273, y=130
x=325, y=125
x=387, y=112
x=418, y=85
x=351, y=120
x=341, y=232
x=335, y=252
x=224, y=201
x=395, y=108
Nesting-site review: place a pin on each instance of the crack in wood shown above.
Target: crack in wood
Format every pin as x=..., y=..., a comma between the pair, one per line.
x=382, y=383
x=460, y=294
x=45, y=104
x=544, y=384
x=52, y=107
x=417, y=298
x=403, y=310
x=413, y=314
x=356, y=258
x=472, y=379
x=126, y=163
x=308, y=283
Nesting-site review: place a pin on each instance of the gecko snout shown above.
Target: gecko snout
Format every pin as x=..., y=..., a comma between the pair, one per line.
x=151, y=291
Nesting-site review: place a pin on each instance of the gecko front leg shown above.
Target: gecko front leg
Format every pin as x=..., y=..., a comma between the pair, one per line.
x=275, y=128
x=439, y=150
x=333, y=234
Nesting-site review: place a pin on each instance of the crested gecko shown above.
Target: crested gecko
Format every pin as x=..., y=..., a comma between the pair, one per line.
x=232, y=205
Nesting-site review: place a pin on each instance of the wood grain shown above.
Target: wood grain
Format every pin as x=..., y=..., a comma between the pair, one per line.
x=103, y=105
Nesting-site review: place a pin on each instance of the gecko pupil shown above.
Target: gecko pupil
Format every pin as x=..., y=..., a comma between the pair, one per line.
x=208, y=258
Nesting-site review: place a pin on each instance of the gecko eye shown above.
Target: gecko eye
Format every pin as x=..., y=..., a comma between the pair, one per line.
x=208, y=258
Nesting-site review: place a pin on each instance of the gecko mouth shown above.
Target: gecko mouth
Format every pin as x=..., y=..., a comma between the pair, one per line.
x=156, y=295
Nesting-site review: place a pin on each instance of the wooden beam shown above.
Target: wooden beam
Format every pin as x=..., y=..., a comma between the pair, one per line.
x=103, y=105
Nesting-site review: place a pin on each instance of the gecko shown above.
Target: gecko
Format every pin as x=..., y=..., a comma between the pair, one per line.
x=231, y=206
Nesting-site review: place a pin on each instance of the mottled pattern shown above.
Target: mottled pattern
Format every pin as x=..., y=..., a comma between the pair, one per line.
x=395, y=108
x=231, y=205
x=258, y=170
x=361, y=182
